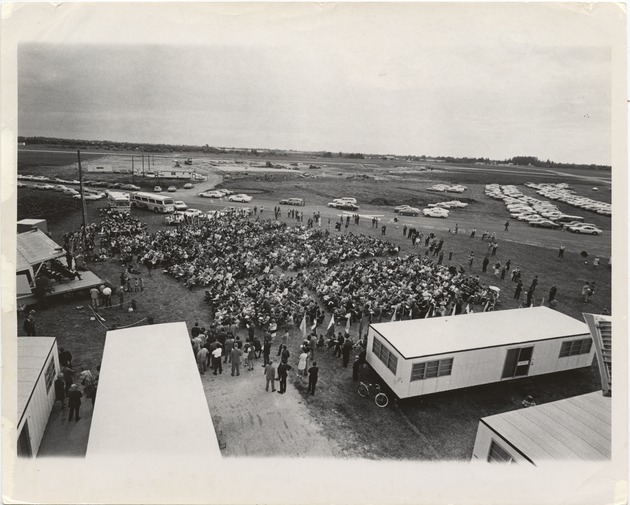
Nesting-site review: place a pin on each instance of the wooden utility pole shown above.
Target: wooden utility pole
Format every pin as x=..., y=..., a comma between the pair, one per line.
x=133, y=174
x=82, y=202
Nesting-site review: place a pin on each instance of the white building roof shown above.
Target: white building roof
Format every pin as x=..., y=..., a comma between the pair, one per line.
x=35, y=247
x=33, y=352
x=150, y=398
x=442, y=335
x=577, y=428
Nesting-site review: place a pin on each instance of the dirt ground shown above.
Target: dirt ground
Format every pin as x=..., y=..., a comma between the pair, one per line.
x=441, y=426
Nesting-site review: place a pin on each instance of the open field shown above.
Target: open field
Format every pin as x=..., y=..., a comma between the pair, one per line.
x=440, y=426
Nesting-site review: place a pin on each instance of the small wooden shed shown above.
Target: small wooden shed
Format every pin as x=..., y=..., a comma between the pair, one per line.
x=424, y=356
x=577, y=428
x=38, y=366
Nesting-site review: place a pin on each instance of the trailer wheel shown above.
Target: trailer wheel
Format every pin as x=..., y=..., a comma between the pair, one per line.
x=363, y=391
x=155, y=209
x=381, y=400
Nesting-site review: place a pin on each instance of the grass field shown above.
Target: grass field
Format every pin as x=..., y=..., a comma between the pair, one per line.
x=440, y=426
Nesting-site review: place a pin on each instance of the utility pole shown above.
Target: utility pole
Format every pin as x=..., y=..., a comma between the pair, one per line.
x=82, y=202
x=143, y=165
x=133, y=173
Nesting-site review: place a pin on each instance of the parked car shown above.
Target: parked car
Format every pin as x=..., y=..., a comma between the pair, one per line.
x=87, y=196
x=589, y=230
x=400, y=207
x=44, y=186
x=240, y=198
x=211, y=194
x=292, y=201
x=188, y=185
x=131, y=187
x=60, y=187
x=435, y=212
x=193, y=212
x=70, y=191
x=171, y=189
x=157, y=189
x=22, y=185
x=410, y=211
x=545, y=223
x=347, y=199
x=343, y=205
x=179, y=205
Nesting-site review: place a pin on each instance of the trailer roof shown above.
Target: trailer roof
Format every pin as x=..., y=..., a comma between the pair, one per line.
x=36, y=247
x=577, y=428
x=33, y=352
x=150, y=396
x=442, y=335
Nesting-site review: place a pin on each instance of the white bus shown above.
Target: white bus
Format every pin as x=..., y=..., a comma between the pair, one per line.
x=119, y=201
x=151, y=201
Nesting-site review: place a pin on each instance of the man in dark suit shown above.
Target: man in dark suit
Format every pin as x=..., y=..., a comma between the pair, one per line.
x=283, y=372
x=74, y=402
x=312, y=378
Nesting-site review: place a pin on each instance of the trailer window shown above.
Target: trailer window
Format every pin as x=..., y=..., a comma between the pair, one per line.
x=384, y=354
x=498, y=454
x=575, y=347
x=50, y=375
x=431, y=369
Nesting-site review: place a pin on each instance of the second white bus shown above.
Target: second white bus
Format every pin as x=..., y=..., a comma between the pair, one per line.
x=151, y=201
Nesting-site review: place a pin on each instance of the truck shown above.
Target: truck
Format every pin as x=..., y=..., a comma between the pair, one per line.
x=119, y=201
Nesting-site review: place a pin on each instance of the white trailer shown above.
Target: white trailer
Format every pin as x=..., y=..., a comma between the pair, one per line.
x=424, y=356
x=163, y=411
x=38, y=366
x=577, y=429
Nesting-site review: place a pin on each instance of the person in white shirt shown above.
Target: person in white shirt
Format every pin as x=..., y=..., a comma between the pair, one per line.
x=216, y=359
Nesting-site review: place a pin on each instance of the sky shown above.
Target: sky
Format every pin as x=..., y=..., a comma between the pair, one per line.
x=439, y=80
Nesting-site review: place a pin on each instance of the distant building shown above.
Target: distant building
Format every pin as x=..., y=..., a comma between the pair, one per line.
x=100, y=167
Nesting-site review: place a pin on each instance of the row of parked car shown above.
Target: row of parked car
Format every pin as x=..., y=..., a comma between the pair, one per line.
x=345, y=203
x=440, y=209
x=448, y=188
x=538, y=213
x=562, y=193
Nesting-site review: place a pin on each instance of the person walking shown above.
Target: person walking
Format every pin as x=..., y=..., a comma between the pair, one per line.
x=251, y=354
x=472, y=233
x=74, y=403
x=507, y=225
x=236, y=360
x=561, y=251
x=484, y=264
x=283, y=372
x=270, y=376
x=107, y=295
x=312, y=378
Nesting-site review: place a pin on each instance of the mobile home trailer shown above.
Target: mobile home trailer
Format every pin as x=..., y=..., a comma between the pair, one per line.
x=577, y=428
x=424, y=356
x=169, y=415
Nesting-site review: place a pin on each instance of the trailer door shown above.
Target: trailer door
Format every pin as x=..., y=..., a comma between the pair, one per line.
x=517, y=362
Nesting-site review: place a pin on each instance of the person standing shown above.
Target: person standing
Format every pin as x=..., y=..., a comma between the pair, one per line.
x=345, y=352
x=74, y=402
x=595, y=262
x=236, y=360
x=561, y=251
x=60, y=390
x=94, y=296
x=283, y=372
x=251, y=354
x=107, y=295
x=339, y=344
x=202, y=359
x=284, y=357
x=29, y=324
x=283, y=341
x=532, y=288
x=471, y=258
x=266, y=350
x=519, y=288
x=303, y=358
x=552, y=294
x=229, y=344
x=65, y=358
x=270, y=376
x=472, y=233
x=216, y=360
x=121, y=297
x=312, y=378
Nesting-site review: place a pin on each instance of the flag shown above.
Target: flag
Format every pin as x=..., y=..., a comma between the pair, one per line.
x=303, y=326
x=468, y=311
x=348, y=323
x=429, y=312
x=454, y=309
x=485, y=309
x=314, y=325
x=331, y=327
x=394, y=316
x=543, y=301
